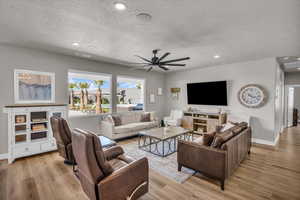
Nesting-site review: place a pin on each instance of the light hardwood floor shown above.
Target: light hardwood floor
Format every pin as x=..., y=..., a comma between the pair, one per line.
x=268, y=173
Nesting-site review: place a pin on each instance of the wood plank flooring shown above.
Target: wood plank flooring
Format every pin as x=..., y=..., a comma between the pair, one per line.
x=268, y=173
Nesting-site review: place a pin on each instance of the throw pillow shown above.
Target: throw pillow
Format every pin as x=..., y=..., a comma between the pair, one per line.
x=117, y=120
x=110, y=119
x=220, y=139
x=208, y=138
x=226, y=127
x=145, y=117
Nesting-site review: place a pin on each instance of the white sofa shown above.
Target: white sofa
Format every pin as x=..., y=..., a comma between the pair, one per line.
x=131, y=125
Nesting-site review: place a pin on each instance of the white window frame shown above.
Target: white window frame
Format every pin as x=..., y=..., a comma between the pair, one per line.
x=98, y=74
x=143, y=91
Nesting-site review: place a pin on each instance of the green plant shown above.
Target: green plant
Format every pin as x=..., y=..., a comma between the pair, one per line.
x=72, y=86
x=98, y=84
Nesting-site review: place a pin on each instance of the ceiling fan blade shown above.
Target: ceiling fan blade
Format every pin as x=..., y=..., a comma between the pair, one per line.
x=175, y=60
x=165, y=55
x=150, y=68
x=135, y=63
x=182, y=65
x=145, y=59
x=164, y=68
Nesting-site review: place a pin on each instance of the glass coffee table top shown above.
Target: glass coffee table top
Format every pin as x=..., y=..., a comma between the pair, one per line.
x=165, y=132
x=162, y=141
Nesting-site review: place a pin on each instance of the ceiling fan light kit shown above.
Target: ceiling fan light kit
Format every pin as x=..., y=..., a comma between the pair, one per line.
x=160, y=62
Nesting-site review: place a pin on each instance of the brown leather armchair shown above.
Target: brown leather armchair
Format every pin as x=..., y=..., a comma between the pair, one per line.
x=62, y=134
x=109, y=174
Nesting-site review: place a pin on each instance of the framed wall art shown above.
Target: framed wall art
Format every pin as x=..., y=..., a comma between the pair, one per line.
x=34, y=86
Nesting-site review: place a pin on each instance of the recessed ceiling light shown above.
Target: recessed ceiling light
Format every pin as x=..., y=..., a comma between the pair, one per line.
x=76, y=44
x=120, y=6
x=216, y=56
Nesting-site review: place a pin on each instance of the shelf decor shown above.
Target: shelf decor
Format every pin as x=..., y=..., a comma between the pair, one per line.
x=175, y=92
x=34, y=87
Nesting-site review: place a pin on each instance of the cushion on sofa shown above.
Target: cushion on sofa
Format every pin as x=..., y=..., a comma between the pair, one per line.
x=205, y=139
x=131, y=117
x=208, y=138
x=133, y=127
x=221, y=138
x=117, y=120
x=145, y=117
x=109, y=119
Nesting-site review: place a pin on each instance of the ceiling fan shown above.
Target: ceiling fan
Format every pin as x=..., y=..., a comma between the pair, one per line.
x=160, y=62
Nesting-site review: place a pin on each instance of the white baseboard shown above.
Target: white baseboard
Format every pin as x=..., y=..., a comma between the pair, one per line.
x=265, y=142
x=277, y=139
x=3, y=156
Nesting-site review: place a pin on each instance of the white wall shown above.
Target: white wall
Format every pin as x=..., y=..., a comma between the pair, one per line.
x=262, y=72
x=279, y=101
x=24, y=58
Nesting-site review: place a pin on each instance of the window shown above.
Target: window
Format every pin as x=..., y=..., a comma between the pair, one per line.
x=89, y=93
x=130, y=94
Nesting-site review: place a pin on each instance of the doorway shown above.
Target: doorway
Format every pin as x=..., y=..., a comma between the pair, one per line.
x=292, y=105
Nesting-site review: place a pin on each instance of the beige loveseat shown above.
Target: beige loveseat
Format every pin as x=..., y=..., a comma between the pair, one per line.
x=131, y=125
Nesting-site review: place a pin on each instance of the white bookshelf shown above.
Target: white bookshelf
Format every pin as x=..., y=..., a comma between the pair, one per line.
x=29, y=129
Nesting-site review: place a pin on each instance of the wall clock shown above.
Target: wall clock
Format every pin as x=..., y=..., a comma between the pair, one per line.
x=252, y=96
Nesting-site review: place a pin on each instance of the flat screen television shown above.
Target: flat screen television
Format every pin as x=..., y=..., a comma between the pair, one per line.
x=207, y=93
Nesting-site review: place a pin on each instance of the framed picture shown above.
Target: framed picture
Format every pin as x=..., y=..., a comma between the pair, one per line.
x=152, y=98
x=34, y=86
x=159, y=91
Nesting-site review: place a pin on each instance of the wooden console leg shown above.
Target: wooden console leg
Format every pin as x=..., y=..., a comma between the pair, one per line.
x=222, y=185
x=179, y=167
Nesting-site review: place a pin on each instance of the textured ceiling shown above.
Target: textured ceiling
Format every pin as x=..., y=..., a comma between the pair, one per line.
x=237, y=30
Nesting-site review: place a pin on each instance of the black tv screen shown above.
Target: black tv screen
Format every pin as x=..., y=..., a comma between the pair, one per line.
x=208, y=93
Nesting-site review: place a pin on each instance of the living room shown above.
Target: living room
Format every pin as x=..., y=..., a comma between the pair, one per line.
x=107, y=66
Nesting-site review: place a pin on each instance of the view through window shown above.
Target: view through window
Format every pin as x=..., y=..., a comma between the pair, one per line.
x=89, y=93
x=130, y=94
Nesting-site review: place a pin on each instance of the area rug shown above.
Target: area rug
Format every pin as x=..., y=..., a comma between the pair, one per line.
x=166, y=166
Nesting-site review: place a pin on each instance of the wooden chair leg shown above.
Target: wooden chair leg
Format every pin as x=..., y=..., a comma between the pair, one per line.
x=179, y=167
x=222, y=184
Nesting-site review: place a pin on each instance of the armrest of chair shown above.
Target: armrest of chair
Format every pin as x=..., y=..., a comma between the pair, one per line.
x=178, y=121
x=107, y=128
x=208, y=160
x=129, y=181
x=113, y=152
